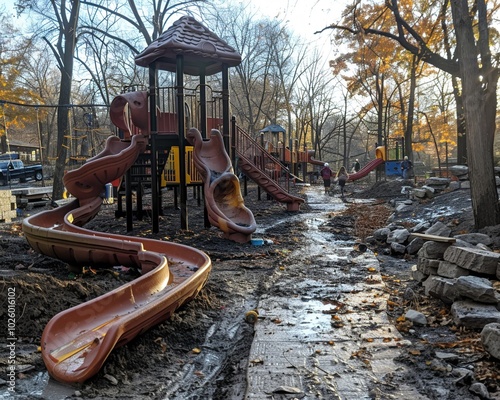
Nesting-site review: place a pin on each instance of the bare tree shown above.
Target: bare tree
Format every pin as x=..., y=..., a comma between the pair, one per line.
x=253, y=93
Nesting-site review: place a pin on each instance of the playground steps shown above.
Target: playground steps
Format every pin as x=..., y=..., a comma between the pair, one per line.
x=8, y=208
x=140, y=177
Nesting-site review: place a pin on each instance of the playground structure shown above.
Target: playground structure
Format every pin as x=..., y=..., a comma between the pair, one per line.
x=77, y=341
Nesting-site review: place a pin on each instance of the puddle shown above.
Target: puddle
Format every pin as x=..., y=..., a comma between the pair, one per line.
x=39, y=386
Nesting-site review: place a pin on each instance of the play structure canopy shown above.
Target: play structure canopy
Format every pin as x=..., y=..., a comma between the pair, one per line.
x=203, y=51
x=273, y=128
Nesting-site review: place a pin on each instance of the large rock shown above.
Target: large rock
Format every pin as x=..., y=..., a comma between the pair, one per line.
x=442, y=288
x=473, y=259
x=398, y=236
x=419, y=193
x=490, y=338
x=403, y=208
x=420, y=227
x=475, y=238
x=438, y=229
x=438, y=183
x=428, y=266
x=477, y=289
x=414, y=246
x=474, y=315
x=417, y=275
x=416, y=317
x=447, y=269
x=381, y=234
x=460, y=171
x=398, y=248
x=433, y=249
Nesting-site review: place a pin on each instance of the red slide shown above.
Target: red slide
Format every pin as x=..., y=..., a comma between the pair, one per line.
x=77, y=341
x=312, y=160
x=225, y=207
x=366, y=169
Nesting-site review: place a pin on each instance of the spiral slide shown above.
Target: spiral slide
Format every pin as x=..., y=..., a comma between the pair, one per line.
x=77, y=341
x=225, y=206
x=366, y=169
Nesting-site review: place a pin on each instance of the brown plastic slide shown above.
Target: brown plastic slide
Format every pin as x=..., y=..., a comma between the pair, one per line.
x=366, y=169
x=312, y=160
x=225, y=207
x=269, y=185
x=77, y=341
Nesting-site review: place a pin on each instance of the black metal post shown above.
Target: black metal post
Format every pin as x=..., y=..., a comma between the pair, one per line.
x=154, y=156
x=182, y=139
x=225, y=109
x=203, y=106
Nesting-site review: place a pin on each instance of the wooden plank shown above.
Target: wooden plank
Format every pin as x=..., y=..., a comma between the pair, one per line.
x=435, y=238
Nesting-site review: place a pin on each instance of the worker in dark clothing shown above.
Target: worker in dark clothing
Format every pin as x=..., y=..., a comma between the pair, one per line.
x=357, y=166
x=326, y=173
x=406, y=167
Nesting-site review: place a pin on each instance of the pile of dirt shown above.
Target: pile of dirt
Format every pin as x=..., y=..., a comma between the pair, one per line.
x=386, y=189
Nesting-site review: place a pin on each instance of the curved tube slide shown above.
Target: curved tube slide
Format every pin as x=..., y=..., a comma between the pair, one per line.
x=366, y=169
x=77, y=341
x=223, y=200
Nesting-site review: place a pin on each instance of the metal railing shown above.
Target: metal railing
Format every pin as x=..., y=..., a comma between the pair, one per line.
x=253, y=152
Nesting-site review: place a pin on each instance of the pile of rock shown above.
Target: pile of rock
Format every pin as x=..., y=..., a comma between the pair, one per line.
x=465, y=274
x=433, y=185
x=461, y=271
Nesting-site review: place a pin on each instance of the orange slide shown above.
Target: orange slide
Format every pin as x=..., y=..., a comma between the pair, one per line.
x=366, y=169
x=77, y=341
x=225, y=206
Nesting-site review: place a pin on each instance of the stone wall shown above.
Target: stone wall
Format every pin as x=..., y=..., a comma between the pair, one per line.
x=8, y=206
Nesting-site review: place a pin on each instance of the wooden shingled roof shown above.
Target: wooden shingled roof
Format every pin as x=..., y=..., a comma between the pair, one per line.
x=204, y=52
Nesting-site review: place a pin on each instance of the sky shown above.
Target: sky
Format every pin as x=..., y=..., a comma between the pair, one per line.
x=304, y=17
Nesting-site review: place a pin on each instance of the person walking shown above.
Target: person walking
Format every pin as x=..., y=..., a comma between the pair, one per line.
x=406, y=167
x=357, y=166
x=342, y=177
x=326, y=173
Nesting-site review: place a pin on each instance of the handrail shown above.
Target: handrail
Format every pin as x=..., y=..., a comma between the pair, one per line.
x=248, y=148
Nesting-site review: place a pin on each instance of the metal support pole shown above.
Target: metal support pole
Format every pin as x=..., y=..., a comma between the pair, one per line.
x=225, y=109
x=182, y=139
x=154, y=156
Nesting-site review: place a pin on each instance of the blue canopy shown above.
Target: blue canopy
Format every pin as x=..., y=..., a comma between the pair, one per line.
x=274, y=128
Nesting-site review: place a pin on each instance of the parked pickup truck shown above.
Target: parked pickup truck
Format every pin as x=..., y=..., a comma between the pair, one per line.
x=15, y=169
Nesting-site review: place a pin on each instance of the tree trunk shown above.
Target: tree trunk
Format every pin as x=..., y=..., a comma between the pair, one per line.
x=411, y=109
x=461, y=133
x=63, y=131
x=479, y=121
